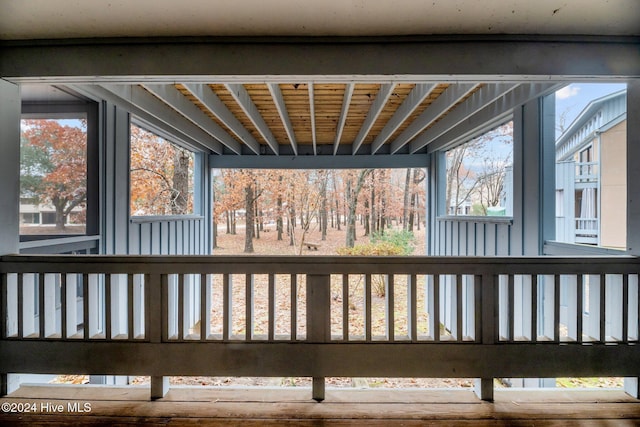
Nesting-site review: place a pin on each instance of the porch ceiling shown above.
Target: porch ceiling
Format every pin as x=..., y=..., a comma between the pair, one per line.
x=49, y=19
x=312, y=118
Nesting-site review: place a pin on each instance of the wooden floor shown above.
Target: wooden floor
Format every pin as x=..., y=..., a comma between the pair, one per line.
x=127, y=406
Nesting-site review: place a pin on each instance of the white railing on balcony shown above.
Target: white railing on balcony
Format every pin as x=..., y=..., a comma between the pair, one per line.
x=320, y=316
x=587, y=172
x=587, y=230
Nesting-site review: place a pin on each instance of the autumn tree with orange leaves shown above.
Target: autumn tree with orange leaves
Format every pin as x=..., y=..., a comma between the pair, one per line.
x=53, y=163
x=160, y=176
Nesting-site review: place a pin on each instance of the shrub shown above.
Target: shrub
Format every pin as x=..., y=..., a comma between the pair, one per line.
x=401, y=238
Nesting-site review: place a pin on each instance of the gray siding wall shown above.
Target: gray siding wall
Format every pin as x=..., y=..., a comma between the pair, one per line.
x=167, y=236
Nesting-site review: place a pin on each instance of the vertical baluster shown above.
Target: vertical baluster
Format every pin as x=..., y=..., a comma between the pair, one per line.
x=534, y=307
x=164, y=306
x=511, y=310
x=227, y=316
x=63, y=306
x=367, y=307
x=41, y=306
x=580, y=307
x=603, y=305
x=85, y=306
x=412, y=305
x=249, y=307
x=345, y=307
x=4, y=305
x=436, y=307
x=390, y=308
x=108, y=308
x=272, y=307
x=205, y=306
x=181, y=302
x=459, y=336
x=294, y=306
x=20, y=305
x=556, y=308
x=130, y=305
x=625, y=308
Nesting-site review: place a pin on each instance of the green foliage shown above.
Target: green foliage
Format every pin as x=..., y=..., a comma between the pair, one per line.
x=478, y=210
x=372, y=249
x=402, y=239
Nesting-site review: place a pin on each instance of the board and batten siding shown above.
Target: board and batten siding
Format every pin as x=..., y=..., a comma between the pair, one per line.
x=174, y=235
x=473, y=236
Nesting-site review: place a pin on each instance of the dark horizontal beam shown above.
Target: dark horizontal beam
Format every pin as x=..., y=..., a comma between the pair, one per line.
x=440, y=360
x=319, y=162
x=457, y=58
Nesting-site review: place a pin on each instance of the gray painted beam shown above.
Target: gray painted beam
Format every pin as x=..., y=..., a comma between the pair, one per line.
x=147, y=102
x=451, y=96
x=346, y=101
x=312, y=113
x=293, y=359
x=10, y=107
x=175, y=99
x=449, y=58
x=210, y=100
x=492, y=115
x=411, y=102
x=278, y=99
x=476, y=102
x=98, y=93
x=320, y=161
x=374, y=111
x=243, y=99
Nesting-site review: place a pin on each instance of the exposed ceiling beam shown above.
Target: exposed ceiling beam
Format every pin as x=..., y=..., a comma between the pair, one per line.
x=243, y=99
x=340, y=161
x=449, y=97
x=491, y=115
x=278, y=99
x=210, y=100
x=411, y=102
x=476, y=102
x=374, y=111
x=99, y=92
x=175, y=99
x=346, y=101
x=146, y=101
x=312, y=113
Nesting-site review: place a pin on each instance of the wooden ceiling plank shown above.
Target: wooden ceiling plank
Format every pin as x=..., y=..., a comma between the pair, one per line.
x=346, y=101
x=147, y=102
x=376, y=107
x=276, y=94
x=176, y=100
x=312, y=110
x=449, y=97
x=213, y=103
x=243, y=99
x=483, y=97
x=411, y=102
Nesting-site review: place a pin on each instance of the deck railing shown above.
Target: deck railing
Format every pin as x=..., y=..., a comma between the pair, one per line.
x=320, y=316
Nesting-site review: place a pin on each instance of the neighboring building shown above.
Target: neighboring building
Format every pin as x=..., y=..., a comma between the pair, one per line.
x=590, y=175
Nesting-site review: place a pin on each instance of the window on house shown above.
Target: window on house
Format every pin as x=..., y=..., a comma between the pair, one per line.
x=591, y=137
x=161, y=176
x=57, y=192
x=479, y=175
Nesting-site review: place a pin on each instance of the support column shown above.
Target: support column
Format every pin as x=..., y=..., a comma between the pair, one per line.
x=318, y=320
x=156, y=289
x=632, y=385
x=488, y=289
x=10, y=108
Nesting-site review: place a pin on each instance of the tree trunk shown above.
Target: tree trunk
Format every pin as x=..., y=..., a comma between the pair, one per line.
x=248, y=233
x=180, y=189
x=367, y=217
x=352, y=202
x=323, y=206
x=406, y=215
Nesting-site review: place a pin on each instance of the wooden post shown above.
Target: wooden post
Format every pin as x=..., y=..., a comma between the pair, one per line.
x=157, y=292
x=483, y=387
x=318, y=320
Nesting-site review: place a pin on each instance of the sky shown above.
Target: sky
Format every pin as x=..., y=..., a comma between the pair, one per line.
x=573, y=98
